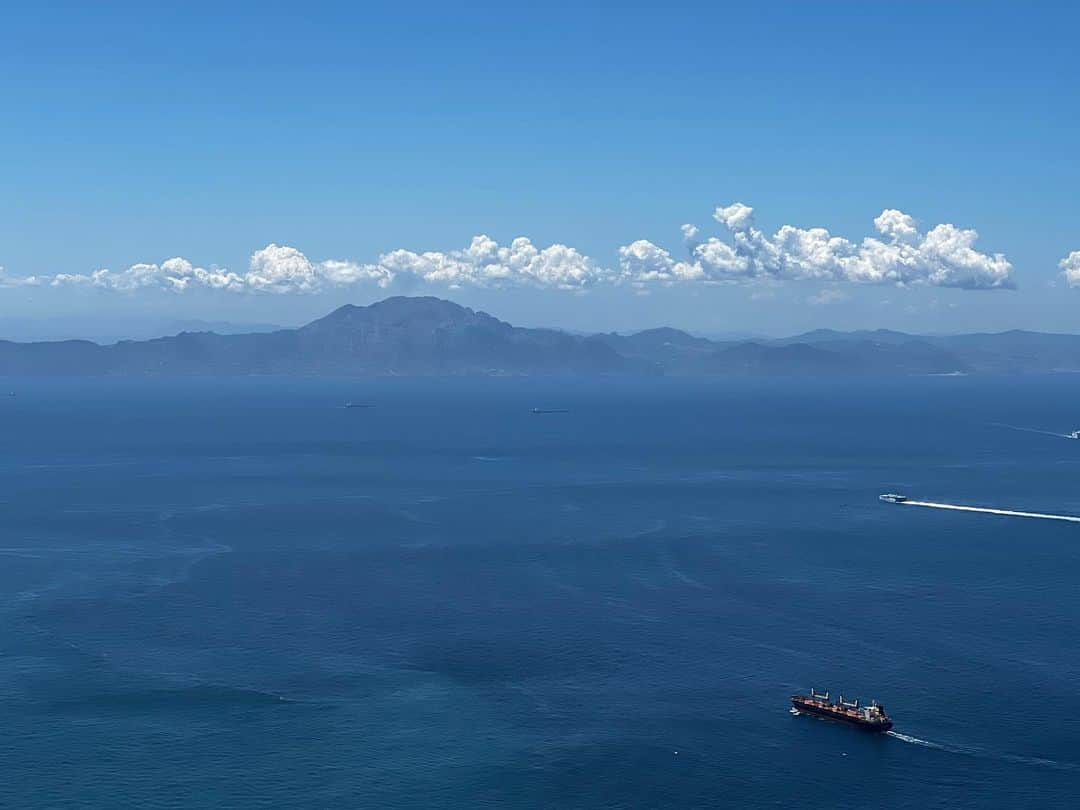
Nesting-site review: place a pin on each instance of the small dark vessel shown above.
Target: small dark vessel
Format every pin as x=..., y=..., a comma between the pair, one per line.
x=870, y=718
x=550, y=410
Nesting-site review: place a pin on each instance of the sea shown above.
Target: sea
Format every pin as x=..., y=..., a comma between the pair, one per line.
x=243, y=594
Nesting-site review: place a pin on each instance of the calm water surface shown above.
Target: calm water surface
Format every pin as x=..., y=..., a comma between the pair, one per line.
x=241, y=594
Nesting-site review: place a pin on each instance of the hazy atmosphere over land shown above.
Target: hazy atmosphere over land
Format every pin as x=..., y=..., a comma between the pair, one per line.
x=718, y=169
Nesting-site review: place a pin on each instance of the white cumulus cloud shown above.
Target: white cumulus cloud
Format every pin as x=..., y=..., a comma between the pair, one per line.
x=17, y=281
x=1070, y=268
x=175, y=274
x=274, y=268
x=643, y=261
x=944, y=256
x=487, y=263
x=900, y=253
x=280, y=268
x=284, y=269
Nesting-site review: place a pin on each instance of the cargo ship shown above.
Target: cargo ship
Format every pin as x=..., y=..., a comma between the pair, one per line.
x=870, y=718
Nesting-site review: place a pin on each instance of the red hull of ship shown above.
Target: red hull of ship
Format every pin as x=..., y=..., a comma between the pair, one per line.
x=836, y=713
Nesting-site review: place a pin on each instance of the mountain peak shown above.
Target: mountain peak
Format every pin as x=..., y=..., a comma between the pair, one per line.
x=397, y=306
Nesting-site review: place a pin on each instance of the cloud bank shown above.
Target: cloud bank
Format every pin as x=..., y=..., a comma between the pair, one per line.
x=275, y=268
x=284, y=269
x=1070, y=268
x=485, y=263
x=900, y=253
x=944, y=256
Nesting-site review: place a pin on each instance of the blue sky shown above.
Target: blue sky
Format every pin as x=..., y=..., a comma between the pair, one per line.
x=131, y=135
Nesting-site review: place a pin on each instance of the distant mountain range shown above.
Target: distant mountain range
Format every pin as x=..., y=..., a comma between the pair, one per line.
x=430, y=336
x=25, y=329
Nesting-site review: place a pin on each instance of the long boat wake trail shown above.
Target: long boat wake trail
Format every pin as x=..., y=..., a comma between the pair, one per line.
x=1033, y=430
x=982, y=753
x=987, y=510
x=913, y=740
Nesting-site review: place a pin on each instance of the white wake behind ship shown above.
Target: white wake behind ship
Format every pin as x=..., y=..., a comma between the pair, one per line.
x=892, y=497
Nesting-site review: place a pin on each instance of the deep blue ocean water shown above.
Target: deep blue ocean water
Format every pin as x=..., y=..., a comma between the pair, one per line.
x=241, y=594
